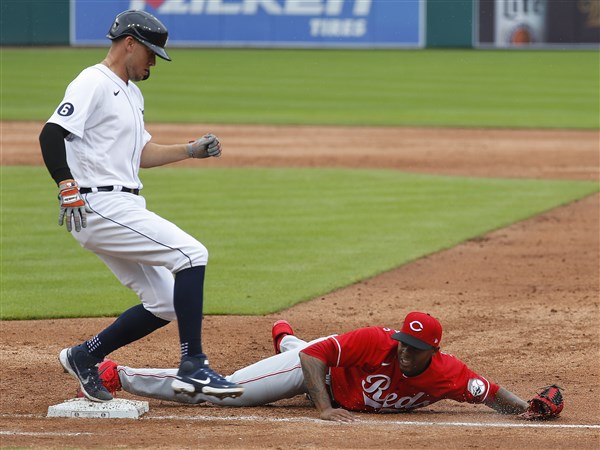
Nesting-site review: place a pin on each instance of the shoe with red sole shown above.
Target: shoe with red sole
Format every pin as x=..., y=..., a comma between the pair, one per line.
x=281, y=329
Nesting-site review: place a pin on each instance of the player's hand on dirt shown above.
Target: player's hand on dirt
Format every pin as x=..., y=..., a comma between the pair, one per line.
x=207, y=145
x=337, y=415
x=72, y=206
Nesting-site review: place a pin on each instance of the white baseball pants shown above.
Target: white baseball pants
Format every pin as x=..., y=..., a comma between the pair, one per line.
x=142, y=249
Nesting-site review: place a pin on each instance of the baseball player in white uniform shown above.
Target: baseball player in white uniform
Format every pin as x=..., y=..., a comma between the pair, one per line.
x=93, y=146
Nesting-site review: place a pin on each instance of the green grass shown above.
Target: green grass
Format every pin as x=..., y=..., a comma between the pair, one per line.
x=276, y=237
x=551, y=89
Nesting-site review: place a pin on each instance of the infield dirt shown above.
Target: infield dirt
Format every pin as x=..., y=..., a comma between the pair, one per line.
x=520, y=305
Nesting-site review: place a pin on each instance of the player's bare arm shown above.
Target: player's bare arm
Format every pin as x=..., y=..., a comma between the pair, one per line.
x=314, y=371
x=505, y=402
x=154, y=155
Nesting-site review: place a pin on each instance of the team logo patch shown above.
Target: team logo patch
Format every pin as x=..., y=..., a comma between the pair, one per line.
x=66, y=109
x=476, y=387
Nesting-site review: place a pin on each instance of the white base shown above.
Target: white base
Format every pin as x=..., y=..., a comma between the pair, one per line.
x=114, y=409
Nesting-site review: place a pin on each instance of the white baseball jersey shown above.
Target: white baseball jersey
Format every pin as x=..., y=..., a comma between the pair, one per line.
x=105, y=118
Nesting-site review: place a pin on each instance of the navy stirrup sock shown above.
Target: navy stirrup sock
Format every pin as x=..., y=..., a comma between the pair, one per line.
x=133, y=324
x=188, y=299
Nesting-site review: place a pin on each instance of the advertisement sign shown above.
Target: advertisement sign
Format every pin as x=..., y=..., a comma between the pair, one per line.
x=263, y=23
x=519, y=22
x=537, y=23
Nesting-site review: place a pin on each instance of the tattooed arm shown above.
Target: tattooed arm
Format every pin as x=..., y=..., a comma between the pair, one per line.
x=505, y=402
x=314, y=371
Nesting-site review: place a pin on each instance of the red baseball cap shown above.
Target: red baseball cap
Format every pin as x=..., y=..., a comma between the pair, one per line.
x=420, y=330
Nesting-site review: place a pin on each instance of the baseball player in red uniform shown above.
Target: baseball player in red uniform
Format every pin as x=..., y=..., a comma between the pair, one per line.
x=372, y=370
x=93, y=146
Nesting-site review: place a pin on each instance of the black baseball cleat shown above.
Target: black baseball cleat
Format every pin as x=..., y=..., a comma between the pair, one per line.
x=195, y=376
x=78, y=362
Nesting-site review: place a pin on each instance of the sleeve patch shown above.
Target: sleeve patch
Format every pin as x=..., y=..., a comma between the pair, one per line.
x=476, y=387
x=66, y=109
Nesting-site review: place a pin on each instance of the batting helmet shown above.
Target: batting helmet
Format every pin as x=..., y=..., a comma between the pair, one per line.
x=144, y=27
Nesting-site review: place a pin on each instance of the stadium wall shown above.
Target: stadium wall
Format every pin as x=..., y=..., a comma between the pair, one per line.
x=315, y=23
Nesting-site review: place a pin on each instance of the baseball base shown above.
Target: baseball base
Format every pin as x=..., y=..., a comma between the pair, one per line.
x=115, y=409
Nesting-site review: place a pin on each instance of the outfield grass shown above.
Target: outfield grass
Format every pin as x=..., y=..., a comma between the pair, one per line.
x=275, y=236
x=552, y=89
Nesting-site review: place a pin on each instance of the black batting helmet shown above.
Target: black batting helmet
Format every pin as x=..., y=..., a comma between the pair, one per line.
x=144, y=27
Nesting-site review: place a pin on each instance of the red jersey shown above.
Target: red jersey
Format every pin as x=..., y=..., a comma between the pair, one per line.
x=365, y=374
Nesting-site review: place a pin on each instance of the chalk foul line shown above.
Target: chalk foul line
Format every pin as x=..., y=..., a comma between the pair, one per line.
x=374, y=423
x=42, y=433
x=360, y=422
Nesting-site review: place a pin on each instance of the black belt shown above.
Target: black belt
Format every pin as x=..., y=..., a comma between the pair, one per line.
x=86, y=190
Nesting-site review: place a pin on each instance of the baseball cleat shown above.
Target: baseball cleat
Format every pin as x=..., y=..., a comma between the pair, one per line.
x=195, y=376
x=78, y=362
x=281, y=329
x=109, y=375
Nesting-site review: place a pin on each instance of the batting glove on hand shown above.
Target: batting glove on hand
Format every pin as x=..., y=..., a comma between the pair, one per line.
x=71, y=205
x=207, y=145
